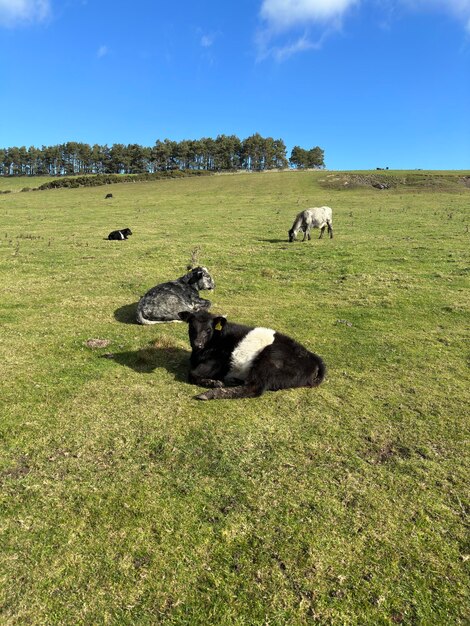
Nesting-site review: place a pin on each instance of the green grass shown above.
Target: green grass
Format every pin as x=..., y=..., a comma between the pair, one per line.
x=125, y=501
x=17, y=183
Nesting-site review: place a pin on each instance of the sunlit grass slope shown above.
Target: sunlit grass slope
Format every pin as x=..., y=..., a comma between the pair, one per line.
x=125, y=501
x=13, y=184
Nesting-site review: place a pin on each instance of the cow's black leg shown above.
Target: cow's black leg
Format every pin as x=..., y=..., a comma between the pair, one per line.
x=206, y=374
x=205, y=382
x=330, y=230
x=205, y=304
x=322, y=230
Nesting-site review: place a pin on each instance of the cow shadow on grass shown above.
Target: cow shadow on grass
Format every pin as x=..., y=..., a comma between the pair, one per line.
x=274, y=240
x=126, y=314
x=151, y=357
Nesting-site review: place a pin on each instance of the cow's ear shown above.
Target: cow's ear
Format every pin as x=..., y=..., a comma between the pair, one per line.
x=196, y=275
x=185, y=316
x=218, y=323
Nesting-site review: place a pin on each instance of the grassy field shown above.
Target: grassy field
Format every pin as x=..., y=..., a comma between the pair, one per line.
x=125, y=501
x=13, y=184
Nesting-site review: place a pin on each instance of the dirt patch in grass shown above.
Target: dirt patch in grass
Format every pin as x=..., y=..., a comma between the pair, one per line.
x=403, y=181
x=97, y=343
x=21, y=469
x=378, y=453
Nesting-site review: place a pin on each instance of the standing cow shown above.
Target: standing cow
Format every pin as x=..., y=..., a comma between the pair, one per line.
x=317, y=217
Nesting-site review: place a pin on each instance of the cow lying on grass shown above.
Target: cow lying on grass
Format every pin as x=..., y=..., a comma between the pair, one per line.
x=164, y=302
x=254, y=360
x=117, y=235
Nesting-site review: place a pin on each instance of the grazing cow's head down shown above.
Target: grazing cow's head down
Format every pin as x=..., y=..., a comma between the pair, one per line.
x=202, y=327
x=200, y=278
x=315, y=217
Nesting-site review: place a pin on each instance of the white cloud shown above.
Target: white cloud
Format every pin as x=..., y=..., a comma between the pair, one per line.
x=102, y=51
x=207, y=41
x=301, y=45
x=458, y=8
x=281, y=17
x=14, y=12
x=284, y=14
x=282, y=52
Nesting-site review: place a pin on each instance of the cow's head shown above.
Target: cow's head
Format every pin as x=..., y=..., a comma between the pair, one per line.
x=201, y=278
x=203, y=327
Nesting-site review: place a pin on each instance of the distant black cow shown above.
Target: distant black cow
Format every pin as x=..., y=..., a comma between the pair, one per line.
x=108, y=195
x=120, y=234
x=253, y=359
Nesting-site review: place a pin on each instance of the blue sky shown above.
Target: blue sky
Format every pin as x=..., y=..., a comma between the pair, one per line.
x=375, y=83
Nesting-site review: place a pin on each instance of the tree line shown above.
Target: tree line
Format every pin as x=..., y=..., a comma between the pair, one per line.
x=225, y=153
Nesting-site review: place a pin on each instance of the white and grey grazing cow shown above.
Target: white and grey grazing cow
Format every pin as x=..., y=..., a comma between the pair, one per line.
x=317, y=217
x=253, y=360
x=164, y=302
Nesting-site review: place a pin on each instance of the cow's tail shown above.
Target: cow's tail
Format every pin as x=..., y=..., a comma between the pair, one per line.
x=143, y=320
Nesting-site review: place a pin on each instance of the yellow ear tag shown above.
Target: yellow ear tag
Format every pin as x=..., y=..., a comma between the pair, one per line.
x=218, y=326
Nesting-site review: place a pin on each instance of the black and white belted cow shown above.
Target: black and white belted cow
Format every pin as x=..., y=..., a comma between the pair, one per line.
x=237, y=361
x=119, y=235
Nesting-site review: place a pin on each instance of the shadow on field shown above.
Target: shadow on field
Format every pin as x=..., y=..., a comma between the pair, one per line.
x=274, y=240
x=126, y=314
x=144, y=361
